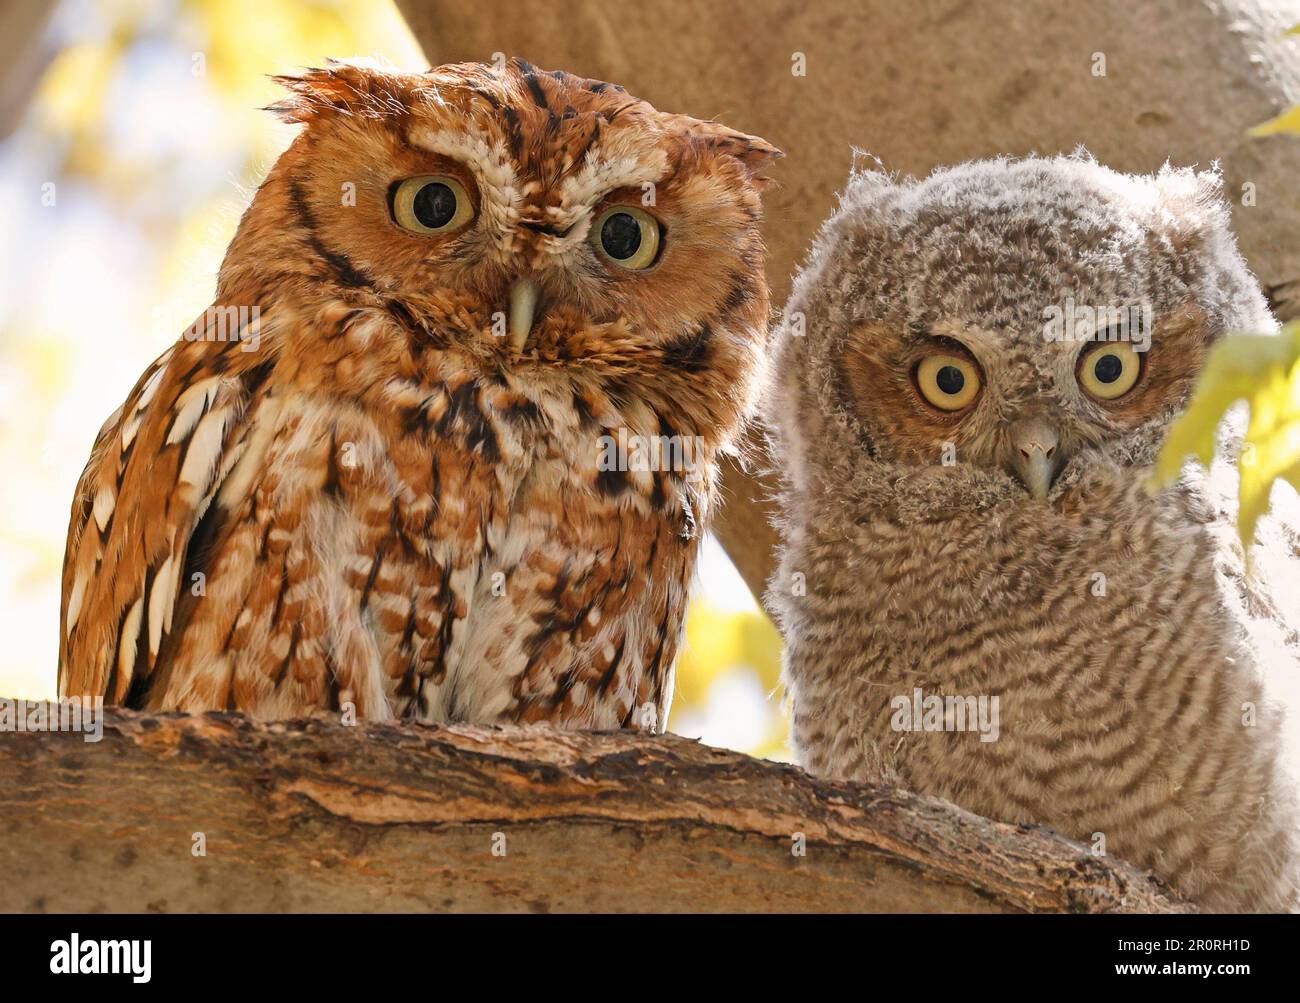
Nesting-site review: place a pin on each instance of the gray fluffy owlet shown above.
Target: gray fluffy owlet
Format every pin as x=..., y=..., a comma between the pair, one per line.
x=965, y=446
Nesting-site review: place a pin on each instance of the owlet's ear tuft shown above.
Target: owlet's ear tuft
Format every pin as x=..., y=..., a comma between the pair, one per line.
x=754, y=154
x=868, y=181
x=354, y=87
x=1189, y=205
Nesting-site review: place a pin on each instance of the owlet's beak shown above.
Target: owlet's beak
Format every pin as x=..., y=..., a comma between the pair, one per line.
x=1035, y=454
x=523, y=305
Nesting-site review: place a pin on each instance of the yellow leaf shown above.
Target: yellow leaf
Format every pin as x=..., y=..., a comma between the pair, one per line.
x=1263, y=370
x=1288, y=122
x=1292, y=476
x=1231, y=374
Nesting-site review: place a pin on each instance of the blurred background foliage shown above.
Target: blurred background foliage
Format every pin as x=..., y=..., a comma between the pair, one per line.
x=134, y=139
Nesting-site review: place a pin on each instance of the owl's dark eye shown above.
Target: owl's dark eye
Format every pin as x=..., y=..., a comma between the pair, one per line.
x=431, y=204
x=620, y=236
x=1108, y=368
x=1109, y=371
x=434, y=205
x=949, y=382
x=628, y=236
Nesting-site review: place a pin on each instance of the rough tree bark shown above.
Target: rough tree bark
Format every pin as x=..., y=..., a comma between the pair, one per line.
x=924, y=83
x=307, y=816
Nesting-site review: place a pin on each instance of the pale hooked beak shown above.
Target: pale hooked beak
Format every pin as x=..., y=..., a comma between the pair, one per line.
x=523, y=304
x=1035, y=456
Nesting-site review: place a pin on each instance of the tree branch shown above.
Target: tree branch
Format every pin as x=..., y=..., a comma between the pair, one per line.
x=319, y=816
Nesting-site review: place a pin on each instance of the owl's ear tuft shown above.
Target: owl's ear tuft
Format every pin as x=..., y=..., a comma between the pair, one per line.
x=868, y=180
x=355, y=87
x=754, y=154
x=1190, y=205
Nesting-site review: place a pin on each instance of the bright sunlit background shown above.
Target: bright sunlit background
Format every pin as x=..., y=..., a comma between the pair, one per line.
x=130, y=161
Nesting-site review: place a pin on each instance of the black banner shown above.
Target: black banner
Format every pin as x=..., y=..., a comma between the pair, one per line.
x=531, y=952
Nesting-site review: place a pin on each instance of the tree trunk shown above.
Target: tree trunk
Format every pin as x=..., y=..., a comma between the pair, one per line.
x=22, y=57
x=307, y=816
x=925, y=83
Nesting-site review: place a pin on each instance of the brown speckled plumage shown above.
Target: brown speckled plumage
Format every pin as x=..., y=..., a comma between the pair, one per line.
x=381, y=501
x=1119, y=631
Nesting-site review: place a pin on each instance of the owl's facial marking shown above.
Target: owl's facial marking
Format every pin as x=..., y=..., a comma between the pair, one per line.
x=893, y=384
x=616, y=168
x=1119, y=388
x=1036, y=404
x=1016, y=260
x=537, y=218
x=484, y=161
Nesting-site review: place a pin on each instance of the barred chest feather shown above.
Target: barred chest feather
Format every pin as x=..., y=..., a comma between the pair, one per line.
x=1094, y=671
x=448, y=543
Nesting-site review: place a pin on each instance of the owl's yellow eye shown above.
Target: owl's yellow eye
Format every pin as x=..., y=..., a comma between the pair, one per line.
x=949, y=382
x=627, y=236
x=1109, y=371
x=431, y=204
